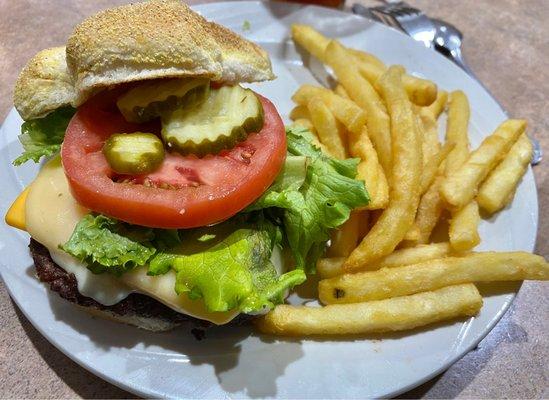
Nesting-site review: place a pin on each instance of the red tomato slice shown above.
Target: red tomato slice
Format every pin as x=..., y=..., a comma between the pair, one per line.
x=207, y=190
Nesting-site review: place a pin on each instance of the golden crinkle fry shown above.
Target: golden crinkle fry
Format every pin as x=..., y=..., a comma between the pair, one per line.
x=397, y=314
x=382, y=271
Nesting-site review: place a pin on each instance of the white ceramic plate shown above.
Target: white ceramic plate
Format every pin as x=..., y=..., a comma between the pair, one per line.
x=233, y=363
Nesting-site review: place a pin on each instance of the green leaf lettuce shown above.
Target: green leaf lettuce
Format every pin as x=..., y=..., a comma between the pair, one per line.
x=231, y=270
x=228, y=265
x=43, y=137
x=323, y=200
x=107, y=245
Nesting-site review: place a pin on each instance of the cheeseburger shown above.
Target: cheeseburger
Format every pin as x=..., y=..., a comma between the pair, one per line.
x=168, y=192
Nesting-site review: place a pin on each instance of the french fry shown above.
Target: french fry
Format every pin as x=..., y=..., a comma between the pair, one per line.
x=460, y=188
x=499, y=188
x=429, y=131
x=382, y=190
x=431, y=275
x=457, y=131
x=330, y=267
x=432, y=165
x=429, y=211
x=397, y=314
x=368, y=58
x=340, y=91
x=345, y=110
x=315, y=43
x=436, y=108
x=305, y=123
x=310, y=39
x=398, y=217
x=326, y=127
x=345, y=238
x=412, y=255
x=300, y=112
x=463, y=230
x=420, y=91
x=369, y=170
x=412, y=234
x=388, y=120
x=426, y=152
x=363, y=94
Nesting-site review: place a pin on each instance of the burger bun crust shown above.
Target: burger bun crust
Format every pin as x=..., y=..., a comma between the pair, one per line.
x=141, y=41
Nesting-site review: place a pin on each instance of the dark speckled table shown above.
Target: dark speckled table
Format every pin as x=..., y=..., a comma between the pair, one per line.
x=507, y=45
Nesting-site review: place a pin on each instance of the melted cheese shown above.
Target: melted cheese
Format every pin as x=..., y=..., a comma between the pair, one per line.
x=16, y=214
x=51, y=214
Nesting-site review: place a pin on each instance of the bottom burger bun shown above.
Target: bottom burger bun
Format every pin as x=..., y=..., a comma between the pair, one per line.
x=149, y=323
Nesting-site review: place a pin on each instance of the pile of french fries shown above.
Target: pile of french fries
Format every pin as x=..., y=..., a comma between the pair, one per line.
x=383, y=270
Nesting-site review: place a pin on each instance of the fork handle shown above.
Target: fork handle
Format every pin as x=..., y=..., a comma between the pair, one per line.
x=457, y=58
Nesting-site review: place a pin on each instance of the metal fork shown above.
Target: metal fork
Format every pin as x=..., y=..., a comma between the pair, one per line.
x=401, y=16
x=433, y=33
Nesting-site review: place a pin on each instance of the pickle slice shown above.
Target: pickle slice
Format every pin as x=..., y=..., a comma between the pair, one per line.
x=134, y=153
x=220, y=122
x=151, y=99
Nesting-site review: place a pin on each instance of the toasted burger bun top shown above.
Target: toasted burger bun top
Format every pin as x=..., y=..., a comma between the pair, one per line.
x=155, y=39
x=44, y=84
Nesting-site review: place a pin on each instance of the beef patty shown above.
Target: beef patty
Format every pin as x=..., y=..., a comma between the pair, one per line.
x=136, y=304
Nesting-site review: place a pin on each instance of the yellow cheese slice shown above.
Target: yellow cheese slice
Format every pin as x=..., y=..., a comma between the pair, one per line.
x=16, y=214
x=51, y=214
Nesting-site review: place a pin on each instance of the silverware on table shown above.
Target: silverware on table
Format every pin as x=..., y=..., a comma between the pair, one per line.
x=401, y=16
x=433, y=33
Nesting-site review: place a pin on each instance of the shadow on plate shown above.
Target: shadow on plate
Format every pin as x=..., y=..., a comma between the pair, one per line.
x=234, y=354
x=81, y=381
